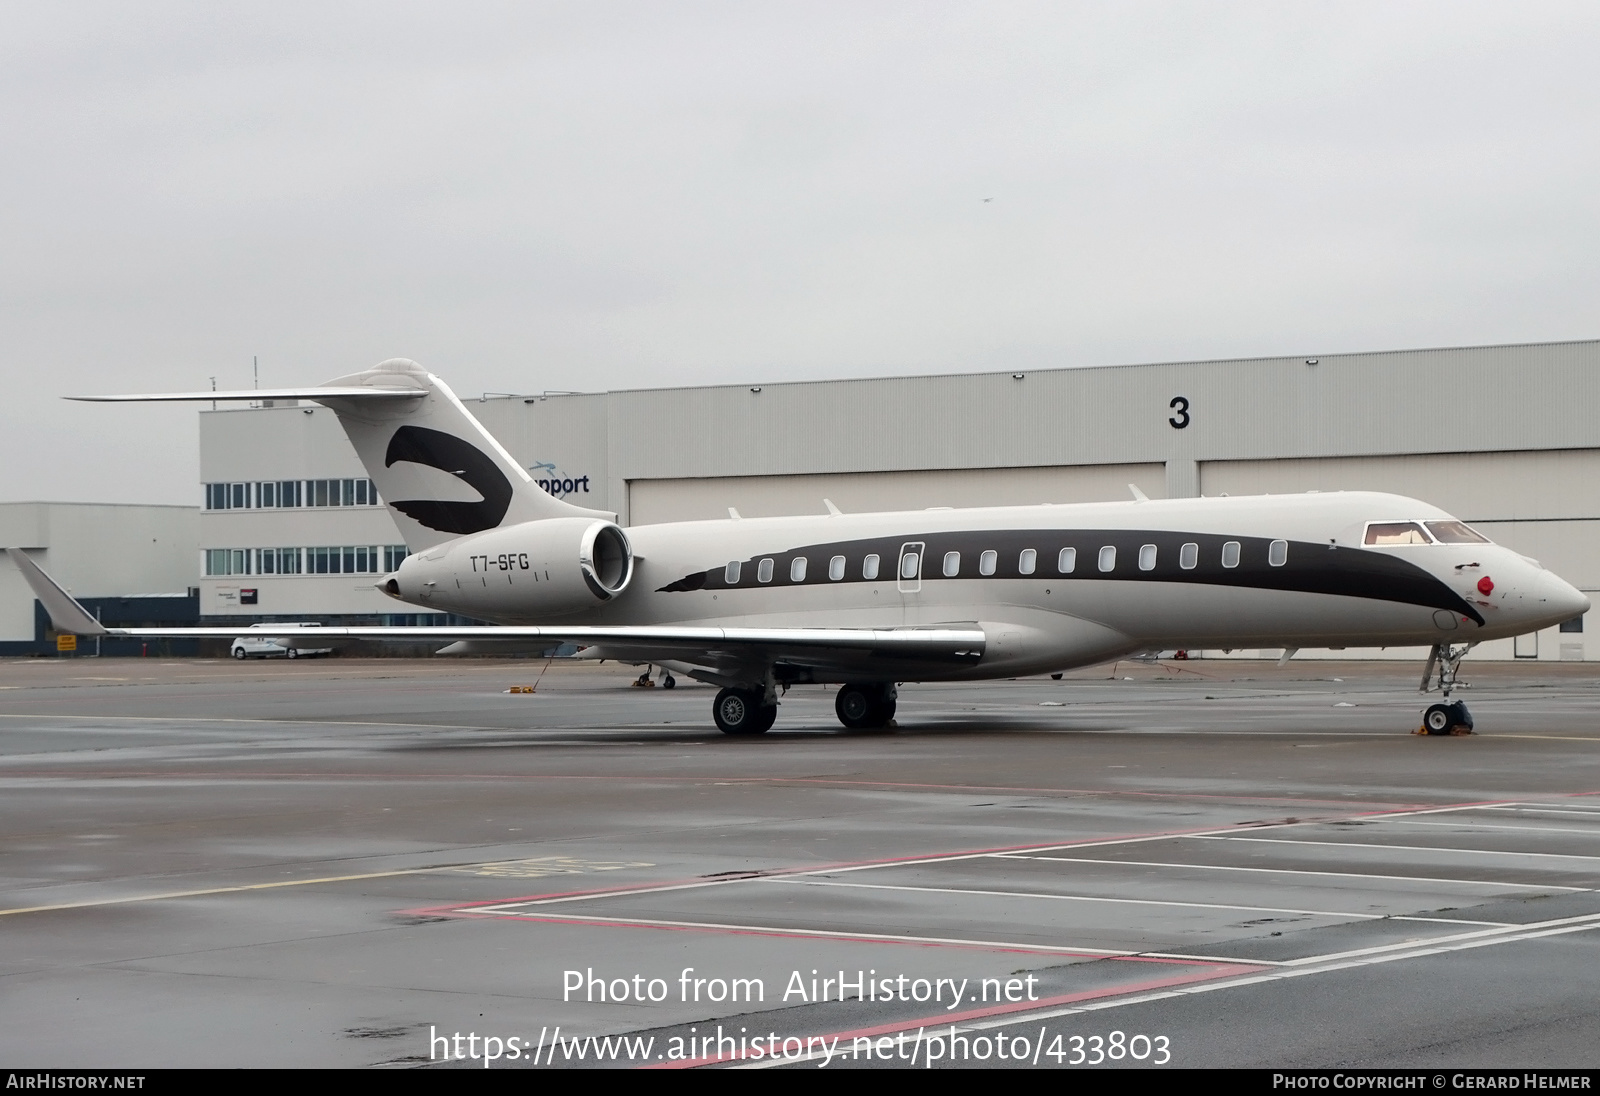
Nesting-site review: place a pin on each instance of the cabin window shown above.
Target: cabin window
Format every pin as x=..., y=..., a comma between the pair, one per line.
x=836, y=569
x=1455, y=532
x=987, y=561
x=797, y=569
x=1278, y=553
x=1147, y=557
x=730, y=573
x=869, y=567
x=764, y=571
x=1027, y=561
x=1067, y=560
x=1189, y=556
x=1395, y=532
x=952, y=564
x=1230, y=554
x=1108, y=558
x=910, y=565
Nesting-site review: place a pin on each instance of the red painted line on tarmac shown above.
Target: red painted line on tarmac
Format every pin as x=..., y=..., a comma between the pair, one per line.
x=1213, y=972
x=911, y=859
x=846, y=938
x=636, y=888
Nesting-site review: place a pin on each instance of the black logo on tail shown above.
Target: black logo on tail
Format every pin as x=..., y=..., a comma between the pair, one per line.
x=466, y=462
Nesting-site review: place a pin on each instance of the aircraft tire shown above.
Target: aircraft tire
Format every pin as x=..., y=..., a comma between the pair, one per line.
x=669, y=682
x=740, y=712
x=1439, y=718
x=860, y=707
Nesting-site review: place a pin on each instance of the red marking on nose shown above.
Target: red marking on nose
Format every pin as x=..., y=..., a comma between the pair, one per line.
x=1486, y=586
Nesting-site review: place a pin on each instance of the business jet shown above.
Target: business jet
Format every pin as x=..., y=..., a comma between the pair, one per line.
x=867, y=601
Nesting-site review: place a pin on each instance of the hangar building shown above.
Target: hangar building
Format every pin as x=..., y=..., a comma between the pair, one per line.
x=1505, y=437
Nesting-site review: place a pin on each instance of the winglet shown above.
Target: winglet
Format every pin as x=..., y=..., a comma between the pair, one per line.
x=832, y=509
x=1138, y=495
x=65, y=613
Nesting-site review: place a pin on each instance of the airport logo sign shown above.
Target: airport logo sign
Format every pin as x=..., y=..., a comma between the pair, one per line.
x=549, y=477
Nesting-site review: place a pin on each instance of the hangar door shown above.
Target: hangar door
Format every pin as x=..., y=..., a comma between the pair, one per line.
x=653, y=501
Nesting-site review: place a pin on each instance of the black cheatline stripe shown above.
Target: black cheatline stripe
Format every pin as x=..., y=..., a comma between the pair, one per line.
x=1310, y=568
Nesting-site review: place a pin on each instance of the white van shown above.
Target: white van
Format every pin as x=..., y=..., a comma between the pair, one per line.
x=260, y=646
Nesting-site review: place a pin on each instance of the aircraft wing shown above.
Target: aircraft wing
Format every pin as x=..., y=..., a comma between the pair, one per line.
x=727, y=648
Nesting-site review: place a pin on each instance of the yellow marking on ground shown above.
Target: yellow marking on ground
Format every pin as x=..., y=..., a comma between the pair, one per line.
x=547, y=865
x=551, y=865
x=1552, y=737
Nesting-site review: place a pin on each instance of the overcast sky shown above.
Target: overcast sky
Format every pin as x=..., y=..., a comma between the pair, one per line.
x=586, y=196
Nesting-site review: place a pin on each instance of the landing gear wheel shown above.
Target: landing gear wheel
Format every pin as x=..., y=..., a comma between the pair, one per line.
x=669, y=682
x=862, y=706
x=1439, y=718
x=740, y=711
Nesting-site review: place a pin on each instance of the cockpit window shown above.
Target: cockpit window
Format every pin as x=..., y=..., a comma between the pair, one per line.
x=1396, y=532
x=1456, y=532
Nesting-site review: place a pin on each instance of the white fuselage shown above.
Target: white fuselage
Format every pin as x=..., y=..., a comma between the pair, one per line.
x=1298, y=576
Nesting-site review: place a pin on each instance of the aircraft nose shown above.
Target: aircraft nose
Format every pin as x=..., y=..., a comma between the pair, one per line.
x=1568, y=599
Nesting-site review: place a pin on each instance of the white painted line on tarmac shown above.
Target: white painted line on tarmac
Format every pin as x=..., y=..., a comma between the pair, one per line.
x=1326, y=964
x=1337, y=914
x=1529, y=809
x=1281, y=971
x=1468, y=823
x=509, y=911
x=1401, y=848
x=1290, y=871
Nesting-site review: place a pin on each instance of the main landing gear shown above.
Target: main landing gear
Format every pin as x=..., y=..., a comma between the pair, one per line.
x=744, y=711
x=1450, y=717
x=866, y=705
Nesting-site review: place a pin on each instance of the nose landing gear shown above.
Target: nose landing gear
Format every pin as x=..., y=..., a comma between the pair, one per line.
x=1450, y=717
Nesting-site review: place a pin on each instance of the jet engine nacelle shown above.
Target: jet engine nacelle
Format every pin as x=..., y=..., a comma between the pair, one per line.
x=539, y=569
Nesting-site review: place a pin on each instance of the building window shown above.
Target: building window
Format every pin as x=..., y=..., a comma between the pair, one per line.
x=1189, y=556
x=987, y=561
x=1027, y=561
x=836, y=569
x=797, y=569
x=730, y=573
x=869, y=567
x=395, y=554
x=952, y=564
x=1147, y=557
x=1067, y=560
x=1573, y=625
x=1230, y=554
x=764, y=571
x=1278, y=553
x=1108, y=558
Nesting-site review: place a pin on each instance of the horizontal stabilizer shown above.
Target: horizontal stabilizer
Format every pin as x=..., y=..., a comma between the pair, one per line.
x=65, y=613
x=316, y=393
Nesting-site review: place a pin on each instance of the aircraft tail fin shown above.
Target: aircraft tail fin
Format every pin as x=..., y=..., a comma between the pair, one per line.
x=440, y=472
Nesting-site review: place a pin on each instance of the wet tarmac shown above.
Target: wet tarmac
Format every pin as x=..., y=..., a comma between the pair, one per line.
x=352, y=862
